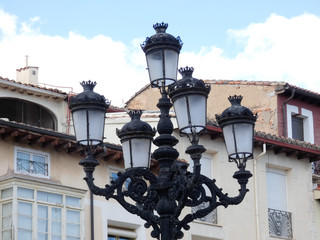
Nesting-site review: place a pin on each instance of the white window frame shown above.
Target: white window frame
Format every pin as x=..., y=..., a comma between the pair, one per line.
x=32, y=152
x=307, y=116
x=51, y=188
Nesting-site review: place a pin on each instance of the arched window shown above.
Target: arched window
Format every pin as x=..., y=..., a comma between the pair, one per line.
x=26, y=112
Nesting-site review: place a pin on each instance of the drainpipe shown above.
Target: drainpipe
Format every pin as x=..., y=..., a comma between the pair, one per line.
x=256, y=190
x=92, y=215
x=284, y=112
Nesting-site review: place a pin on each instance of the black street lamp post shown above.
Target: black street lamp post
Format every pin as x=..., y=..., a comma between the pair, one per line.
x=160, y=199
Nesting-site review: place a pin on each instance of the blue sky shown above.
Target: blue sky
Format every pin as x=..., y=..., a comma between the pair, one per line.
x=72, y=40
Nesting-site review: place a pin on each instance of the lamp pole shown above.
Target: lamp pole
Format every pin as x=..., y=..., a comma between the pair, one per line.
x=159, y=199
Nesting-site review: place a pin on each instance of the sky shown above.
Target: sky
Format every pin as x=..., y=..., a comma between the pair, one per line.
x=99, y=40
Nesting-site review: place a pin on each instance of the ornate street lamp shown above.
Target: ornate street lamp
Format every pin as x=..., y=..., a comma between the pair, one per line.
x=237, y=123
x=136, y=138
x=162, y=54
x=159, y=199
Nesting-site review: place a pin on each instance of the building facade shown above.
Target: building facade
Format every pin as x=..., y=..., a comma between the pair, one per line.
x=43, y=195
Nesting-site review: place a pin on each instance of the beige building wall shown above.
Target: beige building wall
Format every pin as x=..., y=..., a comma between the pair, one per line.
x=249, y=220
x=261, y=99
x=66, y=176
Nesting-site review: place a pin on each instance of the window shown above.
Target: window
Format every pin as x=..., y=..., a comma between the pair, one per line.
x=40, y=215
x=31, y=162
x=114, y=175
x=297, y=128
x=300, y=124
x=206, y=169
x=280, y=223
x=26, y=112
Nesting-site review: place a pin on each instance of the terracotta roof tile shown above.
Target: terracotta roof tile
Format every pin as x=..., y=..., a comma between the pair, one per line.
x=55, y=90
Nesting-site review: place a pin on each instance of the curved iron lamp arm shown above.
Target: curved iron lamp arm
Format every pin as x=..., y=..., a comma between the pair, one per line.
x=147, y=191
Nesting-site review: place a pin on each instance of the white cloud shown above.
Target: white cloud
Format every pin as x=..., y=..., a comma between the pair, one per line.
x=7, y=23
x=279, y=49
x=68, y=61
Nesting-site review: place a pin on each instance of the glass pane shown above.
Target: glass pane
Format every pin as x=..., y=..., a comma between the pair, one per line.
x=39, y=165
x=39, y=159
x=111, y=238
x=73, y=230
x=49, y=197
x=6, y=222
x=180, y=108
x=24, y=156
x=56, y=214
x=6, y=235
x=244, y=139
x=197, y=105
x=297, y=128
x=96, y=126
x=171, y=60
x=80, y=125
x=42, y=225
x=141, y=152
x=73, y=201
x=23, y=162
x=25, y=193
x=42, y=236
x=56, y=228
x=56, y=237
x=73, y=216
x=25, y=208
x=155, y=65
x=228, y=134
x=25, y=222
x=73, y=238
x=42, y=211
x=6, y=209
x=24, y=235
x=6, y=193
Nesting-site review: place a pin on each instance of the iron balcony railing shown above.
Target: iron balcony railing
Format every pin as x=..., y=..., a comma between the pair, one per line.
x=210, y=218
x=280, y=223
x=316, y=167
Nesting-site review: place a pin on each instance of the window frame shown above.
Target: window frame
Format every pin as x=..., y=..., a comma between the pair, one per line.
x=307, y=116
x=65, y=192
x=32, y=152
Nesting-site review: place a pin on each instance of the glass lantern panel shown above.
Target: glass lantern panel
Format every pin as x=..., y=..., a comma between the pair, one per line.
x=197, y=105
x=155, y=65
x=244, y=138
x=228, y=135
x=140, y=152
x=180, y=108
x=162, y=66
x=239, y=139
x=80, y=124
x=96, y=126
x=171, y=66
x=126, y=153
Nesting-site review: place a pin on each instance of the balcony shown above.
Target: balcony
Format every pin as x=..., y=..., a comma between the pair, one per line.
x=210, y=218
x=280, y=223
x=316, y=167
